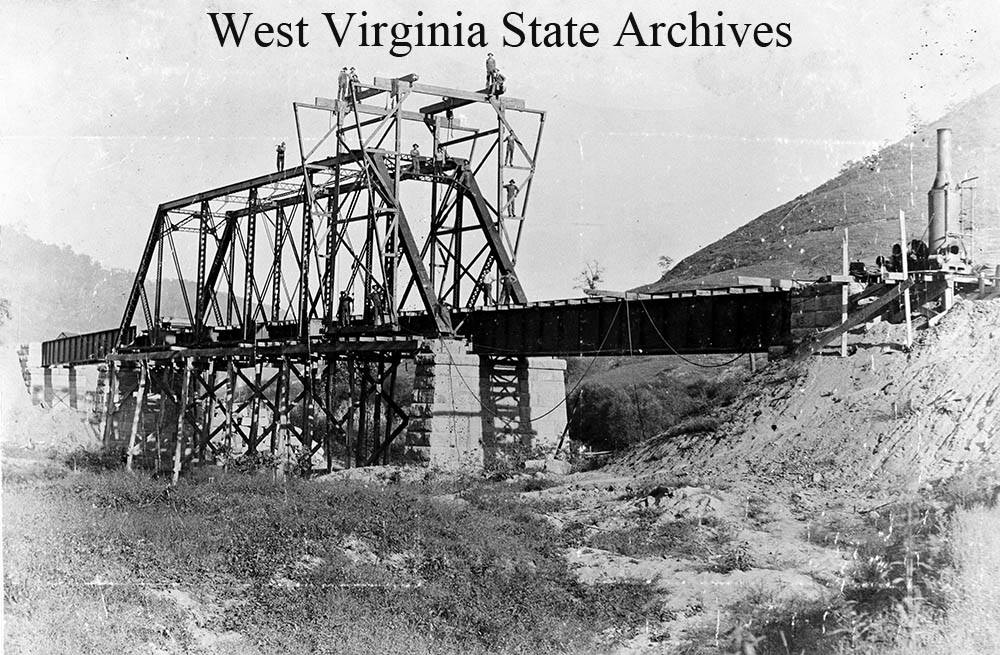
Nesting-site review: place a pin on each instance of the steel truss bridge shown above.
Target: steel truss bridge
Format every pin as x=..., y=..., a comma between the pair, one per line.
x=306, y=290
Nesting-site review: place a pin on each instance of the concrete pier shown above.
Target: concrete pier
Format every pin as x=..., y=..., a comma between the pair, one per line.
x=471, y=411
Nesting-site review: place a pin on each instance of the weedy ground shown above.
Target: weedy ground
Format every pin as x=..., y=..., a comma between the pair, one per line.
x=108, y=562
x=97, y=560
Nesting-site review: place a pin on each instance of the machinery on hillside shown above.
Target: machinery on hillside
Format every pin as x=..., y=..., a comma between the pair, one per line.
x=950, y=227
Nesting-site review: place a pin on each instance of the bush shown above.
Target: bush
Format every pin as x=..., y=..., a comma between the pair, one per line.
x=95, y=459
x=607, y=417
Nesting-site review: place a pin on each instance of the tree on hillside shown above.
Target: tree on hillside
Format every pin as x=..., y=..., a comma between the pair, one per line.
x=666, y=263
x=591, y=275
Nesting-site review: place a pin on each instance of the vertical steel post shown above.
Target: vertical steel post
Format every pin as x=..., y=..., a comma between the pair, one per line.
x=231, y=279
x=305, y=302
x=279, y=243
x=157, y=319
x=457, y=257
x=392, y=234
x=333, y=215
x=200, y=292
x=249, y=318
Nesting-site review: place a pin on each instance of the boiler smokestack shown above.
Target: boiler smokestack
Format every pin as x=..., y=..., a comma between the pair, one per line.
x=937, y=197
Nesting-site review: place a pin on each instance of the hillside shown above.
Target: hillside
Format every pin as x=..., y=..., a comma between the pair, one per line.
x=53, y=289
x=801, y=238
x=880, y=414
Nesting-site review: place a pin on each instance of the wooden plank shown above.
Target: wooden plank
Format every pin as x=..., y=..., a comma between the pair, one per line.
x=843, y=294
x=906, y=272
x=750, y=281
x=446, y=92
x=140, y=400
x=811, y=346
x=182, y=405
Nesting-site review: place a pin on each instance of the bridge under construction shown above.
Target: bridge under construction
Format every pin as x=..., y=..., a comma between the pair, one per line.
x=316, y=296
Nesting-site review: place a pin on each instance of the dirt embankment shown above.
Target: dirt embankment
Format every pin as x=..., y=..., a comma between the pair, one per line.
x=880, y=412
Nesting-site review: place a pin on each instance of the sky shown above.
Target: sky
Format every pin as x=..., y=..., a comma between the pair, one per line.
x=109, y=108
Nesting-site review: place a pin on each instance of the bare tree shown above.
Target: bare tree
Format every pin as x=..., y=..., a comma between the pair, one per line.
x=591, y=275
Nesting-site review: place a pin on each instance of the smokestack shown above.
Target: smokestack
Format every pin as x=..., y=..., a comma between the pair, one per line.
x=937, y=197
x=943, y=177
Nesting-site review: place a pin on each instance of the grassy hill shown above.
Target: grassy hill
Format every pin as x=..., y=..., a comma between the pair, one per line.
x=801, y=238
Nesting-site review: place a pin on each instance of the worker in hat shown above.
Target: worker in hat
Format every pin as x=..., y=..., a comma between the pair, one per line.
x=354, y=79
x=511, y=188
x=491, y=69
x=342, y=80
x=344, y=308
x=498, y=86
x=510, y=141
x=281, y=156
x=415, y=157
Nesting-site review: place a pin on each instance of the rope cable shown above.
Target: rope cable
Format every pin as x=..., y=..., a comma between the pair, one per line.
x=674, y=350
x=565, y=398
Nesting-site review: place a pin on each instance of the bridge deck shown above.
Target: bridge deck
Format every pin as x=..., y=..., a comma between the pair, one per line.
x=733, y=320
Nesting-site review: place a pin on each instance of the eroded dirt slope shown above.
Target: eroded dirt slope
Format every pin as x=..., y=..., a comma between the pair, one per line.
x=879, y=412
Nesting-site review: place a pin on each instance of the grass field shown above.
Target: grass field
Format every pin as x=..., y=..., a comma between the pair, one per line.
x=101, y=561
x=106, y=562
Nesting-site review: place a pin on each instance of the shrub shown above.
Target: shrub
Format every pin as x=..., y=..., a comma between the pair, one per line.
x=609, y=417
x=96, y=459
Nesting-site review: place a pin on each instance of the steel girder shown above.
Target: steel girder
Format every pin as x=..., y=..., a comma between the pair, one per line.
x=339, y=241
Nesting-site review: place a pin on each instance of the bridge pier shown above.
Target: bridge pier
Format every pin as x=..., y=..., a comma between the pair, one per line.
x=471, y=411
x=71, y=381
x=48, y=389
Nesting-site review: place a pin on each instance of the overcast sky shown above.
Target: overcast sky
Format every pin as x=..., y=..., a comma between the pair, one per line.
x=109, y=108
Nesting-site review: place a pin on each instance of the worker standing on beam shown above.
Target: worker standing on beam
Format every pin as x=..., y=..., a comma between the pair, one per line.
x=491, y=69
x=354, y=81
x=498, y=87
x=415, y=158
x=512, y=190
x=280, y=150
x=375, y=306
x=506, y=288
x=344, y=308
x=510, y=142
x=342, y=81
